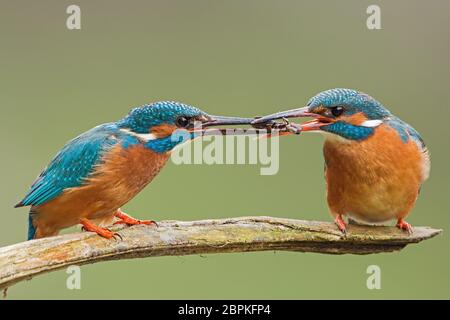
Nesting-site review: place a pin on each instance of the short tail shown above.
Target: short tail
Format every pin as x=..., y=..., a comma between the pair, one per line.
x=31, y=227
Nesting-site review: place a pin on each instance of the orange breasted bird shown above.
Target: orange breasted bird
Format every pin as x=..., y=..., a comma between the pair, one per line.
x=98, y=172
x=375, y=163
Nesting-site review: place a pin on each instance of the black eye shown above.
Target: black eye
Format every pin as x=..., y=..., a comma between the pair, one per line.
x=182, y=122
x=337, y=111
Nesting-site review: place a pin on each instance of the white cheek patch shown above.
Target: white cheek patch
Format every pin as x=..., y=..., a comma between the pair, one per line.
x=141, y=136
x=371, y=123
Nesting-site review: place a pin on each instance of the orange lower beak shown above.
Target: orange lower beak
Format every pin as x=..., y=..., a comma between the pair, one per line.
x=315, y=124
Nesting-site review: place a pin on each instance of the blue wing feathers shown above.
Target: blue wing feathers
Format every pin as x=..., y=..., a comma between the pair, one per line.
x=407, y=132
x=416, y=136
x=72, y=164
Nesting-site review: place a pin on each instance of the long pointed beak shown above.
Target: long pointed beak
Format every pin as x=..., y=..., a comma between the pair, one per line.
x=209, y=124
x=293, y=113
x=226, y=121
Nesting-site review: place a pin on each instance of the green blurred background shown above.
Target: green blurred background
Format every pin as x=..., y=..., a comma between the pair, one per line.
x=235, y=58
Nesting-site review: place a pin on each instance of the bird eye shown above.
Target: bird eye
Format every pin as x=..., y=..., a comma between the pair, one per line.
x=337, y=111
x=182, y=122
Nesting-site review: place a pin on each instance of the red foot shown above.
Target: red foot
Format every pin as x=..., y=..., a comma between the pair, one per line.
x=105, y=233
x=403, y=225
x=126, y=219
x=340, y=224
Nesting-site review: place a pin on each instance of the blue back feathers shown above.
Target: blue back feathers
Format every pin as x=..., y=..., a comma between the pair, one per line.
x=72, y=164
x=78, y=158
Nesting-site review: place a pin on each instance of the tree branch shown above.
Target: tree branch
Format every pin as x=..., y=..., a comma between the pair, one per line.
x=172, y=238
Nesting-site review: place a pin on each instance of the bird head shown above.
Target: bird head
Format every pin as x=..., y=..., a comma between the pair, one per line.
x=163, y=125
x=347, y=113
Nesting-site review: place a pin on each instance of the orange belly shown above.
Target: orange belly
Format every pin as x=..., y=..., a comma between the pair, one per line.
x=374, y=180
x=124, y=173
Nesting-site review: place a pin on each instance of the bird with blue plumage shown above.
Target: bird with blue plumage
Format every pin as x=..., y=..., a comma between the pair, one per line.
x=375, y=163
x=98, y=172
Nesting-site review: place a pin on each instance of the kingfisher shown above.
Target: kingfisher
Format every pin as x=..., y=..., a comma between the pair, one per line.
x=375, y=163
x=98, y=172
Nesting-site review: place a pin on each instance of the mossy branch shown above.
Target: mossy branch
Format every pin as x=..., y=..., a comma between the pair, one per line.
x=173, y=238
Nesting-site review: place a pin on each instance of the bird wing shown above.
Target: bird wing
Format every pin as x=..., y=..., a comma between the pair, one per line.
x=406, y=132
x=72, y=164
x=416, y=137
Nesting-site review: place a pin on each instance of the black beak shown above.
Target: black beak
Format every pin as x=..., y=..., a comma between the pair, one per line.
x=293, y=113
x=226, y=121
x=208, y=124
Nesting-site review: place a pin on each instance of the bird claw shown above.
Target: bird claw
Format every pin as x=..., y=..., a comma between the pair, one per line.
x=149, y=222
x=341, y=224
x=117, y=236
x=87, y=225
x=403, y=225
x=135, y=222
x=130, y=221
x=108, y=234
x=114, y=235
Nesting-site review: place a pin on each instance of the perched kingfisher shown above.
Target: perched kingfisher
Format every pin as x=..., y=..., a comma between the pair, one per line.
x=98, y=172
x=375, y=163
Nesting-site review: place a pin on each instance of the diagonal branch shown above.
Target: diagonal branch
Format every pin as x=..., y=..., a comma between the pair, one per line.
x=27, y=259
